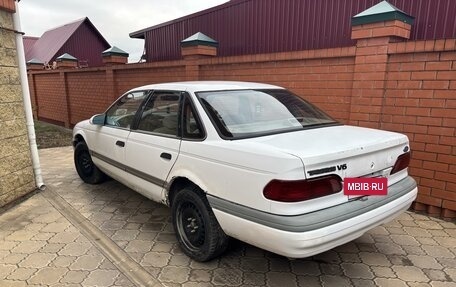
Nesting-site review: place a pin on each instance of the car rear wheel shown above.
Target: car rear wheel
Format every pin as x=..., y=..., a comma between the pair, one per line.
x=197, y=230
x=85, y=167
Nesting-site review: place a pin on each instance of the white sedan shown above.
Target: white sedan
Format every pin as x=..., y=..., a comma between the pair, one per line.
x=249, y=161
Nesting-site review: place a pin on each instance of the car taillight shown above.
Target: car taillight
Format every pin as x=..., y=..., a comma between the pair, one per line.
x=301, y=190
x=402, y=162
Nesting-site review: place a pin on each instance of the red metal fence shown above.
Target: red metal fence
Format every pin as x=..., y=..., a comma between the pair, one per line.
x=268, y=26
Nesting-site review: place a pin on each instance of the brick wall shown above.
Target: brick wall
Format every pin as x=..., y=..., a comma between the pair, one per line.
x=88, y=87
x=66, y=97
x=16, y=173
x=51, y=106
x=145, y=74
x=407, y=87
x=421, y=102
x=324, y=77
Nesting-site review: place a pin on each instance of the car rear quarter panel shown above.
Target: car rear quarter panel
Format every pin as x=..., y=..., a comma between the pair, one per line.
x=233, y=172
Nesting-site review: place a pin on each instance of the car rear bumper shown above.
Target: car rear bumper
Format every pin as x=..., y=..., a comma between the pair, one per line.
x=309, y=234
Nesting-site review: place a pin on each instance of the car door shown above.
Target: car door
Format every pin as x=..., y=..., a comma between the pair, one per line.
x=108, y=142
x=153, y=146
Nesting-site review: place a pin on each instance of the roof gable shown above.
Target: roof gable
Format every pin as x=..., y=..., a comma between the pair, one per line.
x=46, y=47
x=52, y=40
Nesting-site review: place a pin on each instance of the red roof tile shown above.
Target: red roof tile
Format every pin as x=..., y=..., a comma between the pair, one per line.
x=51, y=42
x=29, y=41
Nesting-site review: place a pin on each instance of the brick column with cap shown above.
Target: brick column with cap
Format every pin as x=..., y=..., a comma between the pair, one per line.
x=66, y=61
x=374, y=29
x=194, y=48
x=114, y=56
x=34, y=65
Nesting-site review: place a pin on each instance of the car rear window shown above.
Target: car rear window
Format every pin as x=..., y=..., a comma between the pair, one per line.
x=248, y=113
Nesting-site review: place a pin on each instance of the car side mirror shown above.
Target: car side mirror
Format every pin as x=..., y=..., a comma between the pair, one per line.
x=98, y=120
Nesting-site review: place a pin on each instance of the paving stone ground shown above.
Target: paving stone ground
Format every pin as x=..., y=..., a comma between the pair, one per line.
x=40, y=247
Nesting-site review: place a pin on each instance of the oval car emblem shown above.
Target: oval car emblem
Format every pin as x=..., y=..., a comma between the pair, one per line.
x=372, y=165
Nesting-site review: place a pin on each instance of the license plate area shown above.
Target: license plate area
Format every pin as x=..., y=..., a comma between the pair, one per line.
x=364, y=186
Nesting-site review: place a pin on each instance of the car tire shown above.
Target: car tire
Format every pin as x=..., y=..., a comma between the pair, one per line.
x=85, y=167
x=197, y=230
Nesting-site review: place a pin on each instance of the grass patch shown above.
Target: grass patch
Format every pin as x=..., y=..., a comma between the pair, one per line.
x=49, y=135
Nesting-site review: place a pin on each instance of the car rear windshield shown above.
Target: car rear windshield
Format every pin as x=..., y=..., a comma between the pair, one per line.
x=249, y=113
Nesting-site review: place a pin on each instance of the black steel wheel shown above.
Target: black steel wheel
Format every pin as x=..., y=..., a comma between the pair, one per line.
x=85, y=167
x=191, y=225
x=196, y=227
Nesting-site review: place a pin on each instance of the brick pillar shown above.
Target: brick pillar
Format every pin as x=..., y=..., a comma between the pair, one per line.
x=374, y=29
x=195, y=48
x=114, y=56
x=8, y=6
x=35, y=64
x=111, y=91
x=66, y=61
x=66, y=103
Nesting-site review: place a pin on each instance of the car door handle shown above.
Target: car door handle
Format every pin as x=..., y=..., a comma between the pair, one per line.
x=166, y=155
x=120, y=143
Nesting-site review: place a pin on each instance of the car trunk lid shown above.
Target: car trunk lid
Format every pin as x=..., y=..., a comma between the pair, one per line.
x=345, y=151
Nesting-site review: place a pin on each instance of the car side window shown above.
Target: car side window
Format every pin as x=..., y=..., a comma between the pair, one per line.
x=161, y=113
x=122, y=113
x=192, y=128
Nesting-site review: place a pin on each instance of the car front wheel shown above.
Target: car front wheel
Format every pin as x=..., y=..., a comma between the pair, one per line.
x=197, y=230
x=85, y=167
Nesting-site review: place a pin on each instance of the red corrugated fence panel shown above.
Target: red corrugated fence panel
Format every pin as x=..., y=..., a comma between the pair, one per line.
x=267, y=26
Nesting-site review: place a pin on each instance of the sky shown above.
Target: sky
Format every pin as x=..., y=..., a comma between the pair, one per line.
x=115, y=19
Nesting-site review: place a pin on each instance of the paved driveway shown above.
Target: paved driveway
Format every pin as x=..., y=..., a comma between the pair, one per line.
x=137, y=236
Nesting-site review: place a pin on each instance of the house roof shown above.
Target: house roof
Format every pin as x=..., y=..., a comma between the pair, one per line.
x=29, y=41
x=46, y=47
x=140, y=33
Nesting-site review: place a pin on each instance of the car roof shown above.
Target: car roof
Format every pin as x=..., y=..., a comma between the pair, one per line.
x=200, y=86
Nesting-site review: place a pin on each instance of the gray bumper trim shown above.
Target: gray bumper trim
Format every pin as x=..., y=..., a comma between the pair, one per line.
x=318, y=219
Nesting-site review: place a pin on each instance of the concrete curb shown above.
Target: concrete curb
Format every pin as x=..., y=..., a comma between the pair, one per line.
x=130, y=268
